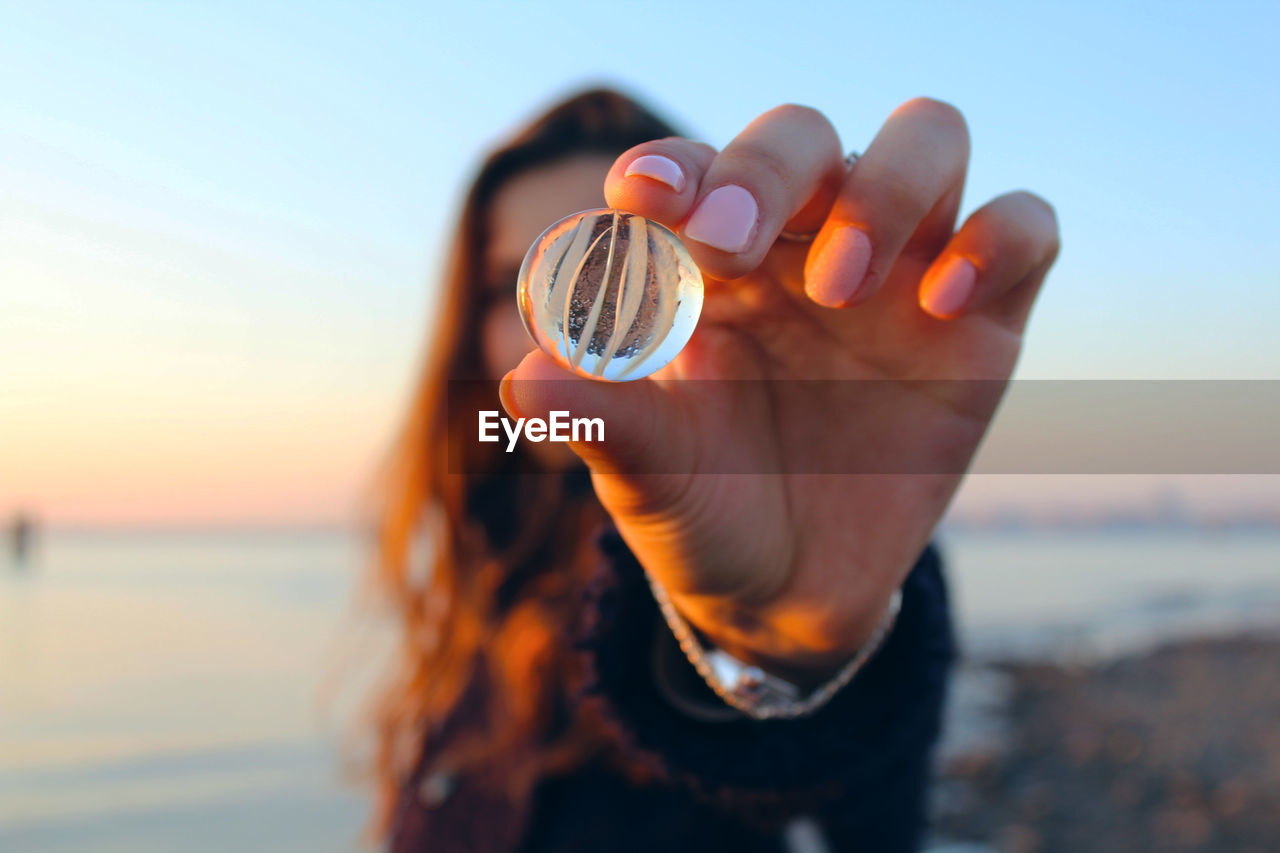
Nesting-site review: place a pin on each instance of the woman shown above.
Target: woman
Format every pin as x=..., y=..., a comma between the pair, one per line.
x=543, y=703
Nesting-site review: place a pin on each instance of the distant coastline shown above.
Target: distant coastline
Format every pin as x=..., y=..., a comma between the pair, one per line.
x=1164, y=516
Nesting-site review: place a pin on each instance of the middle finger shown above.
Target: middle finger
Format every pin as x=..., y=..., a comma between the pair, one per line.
x=902, y=194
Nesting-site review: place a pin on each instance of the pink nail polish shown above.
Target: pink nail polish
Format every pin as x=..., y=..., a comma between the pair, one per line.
x=833, y=277
x=950, y=289
x=725, y=219
x=659, y=168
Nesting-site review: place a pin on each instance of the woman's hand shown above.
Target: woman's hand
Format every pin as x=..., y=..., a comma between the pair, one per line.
x=794, y=569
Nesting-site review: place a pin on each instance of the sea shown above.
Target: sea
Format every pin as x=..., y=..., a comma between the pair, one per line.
x=203, y=690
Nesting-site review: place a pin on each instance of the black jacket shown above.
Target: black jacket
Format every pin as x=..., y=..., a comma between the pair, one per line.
x=858, y=767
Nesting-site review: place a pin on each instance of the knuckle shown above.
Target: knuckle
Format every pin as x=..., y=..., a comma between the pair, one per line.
x=762, y=160
x=1036, y=209
x=798, y=114
x=898, y=193
x=1036, y=203
x=1022, y=225
x=680, y=143
x=703, y=148
x=814, y=124
x=937, y=113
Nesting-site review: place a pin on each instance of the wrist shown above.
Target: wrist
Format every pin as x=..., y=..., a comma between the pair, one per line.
x=806, y=674
x=750, y=688
x=806, y=659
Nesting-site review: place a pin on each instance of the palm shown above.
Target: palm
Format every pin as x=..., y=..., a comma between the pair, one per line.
x=747, y=513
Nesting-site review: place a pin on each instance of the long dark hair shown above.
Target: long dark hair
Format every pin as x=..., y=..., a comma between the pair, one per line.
x=505, y=551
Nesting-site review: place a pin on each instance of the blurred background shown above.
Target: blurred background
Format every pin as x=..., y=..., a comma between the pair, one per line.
x=220, y=227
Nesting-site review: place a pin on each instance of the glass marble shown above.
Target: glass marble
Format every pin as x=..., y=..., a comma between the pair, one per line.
x=609, y=295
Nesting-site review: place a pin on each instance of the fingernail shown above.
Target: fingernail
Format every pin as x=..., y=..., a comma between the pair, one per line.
x=661, y=169
x=950, y=289
x=833, y=277
x=724, y=220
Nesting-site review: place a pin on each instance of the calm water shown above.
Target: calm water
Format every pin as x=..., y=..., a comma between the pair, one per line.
x=189, y=691
x=172, y=692
x=1090, y=595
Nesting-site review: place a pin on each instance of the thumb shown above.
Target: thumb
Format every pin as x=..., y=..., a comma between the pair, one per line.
x=640, y=423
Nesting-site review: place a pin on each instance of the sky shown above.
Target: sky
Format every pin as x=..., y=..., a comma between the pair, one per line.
x=220, y=224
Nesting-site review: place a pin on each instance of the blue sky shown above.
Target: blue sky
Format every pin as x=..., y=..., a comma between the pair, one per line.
x=221, y=221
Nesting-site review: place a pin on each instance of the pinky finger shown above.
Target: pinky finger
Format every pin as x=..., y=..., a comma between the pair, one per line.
x=995, y=262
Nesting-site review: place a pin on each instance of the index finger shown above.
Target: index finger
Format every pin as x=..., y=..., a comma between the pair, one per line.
x=731, y=209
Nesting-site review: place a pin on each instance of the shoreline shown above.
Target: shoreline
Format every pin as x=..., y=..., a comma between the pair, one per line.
x=1172, y=746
